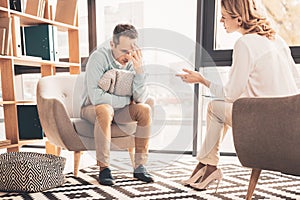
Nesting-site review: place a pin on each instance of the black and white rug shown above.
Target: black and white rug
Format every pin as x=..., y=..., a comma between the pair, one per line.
x=271, y=185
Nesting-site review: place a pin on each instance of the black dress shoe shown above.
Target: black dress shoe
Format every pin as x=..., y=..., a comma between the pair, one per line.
x=105, y=177
x=141, y=173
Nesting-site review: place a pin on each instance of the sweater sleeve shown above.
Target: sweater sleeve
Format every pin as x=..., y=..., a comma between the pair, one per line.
x=140, y=92
x=94, y=71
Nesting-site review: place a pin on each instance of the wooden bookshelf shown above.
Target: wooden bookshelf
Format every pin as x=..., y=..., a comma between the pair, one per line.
x=8, y=62
x=29, y=20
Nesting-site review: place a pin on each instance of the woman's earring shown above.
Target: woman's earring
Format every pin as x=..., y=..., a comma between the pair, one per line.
x=240, y=22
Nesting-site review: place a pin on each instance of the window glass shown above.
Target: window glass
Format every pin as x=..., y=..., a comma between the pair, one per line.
x=63, y=45
x=167, y=38
x=283, y=15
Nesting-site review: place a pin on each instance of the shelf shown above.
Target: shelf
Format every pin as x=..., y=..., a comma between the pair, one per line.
x=7, y=143
x=34, y=62
x=3, y=9
x=28, y=20
x=47, y=68
x=26, y=102
x=5, y=57
x=4, y=143
x=7, y=102
x=17, y=102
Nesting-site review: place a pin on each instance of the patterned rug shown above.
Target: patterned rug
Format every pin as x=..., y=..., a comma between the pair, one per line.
x=272, y=185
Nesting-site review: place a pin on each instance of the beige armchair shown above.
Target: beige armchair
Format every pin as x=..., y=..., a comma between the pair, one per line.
x=266, y=133
x=58, y=102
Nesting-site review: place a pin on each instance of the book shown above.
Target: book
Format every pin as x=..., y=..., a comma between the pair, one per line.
x=5, y=22
x=66, y=11
x=41, y=9
x=16, y=36
x=2, y=40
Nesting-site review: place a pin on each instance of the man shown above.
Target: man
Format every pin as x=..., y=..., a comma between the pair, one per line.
x=102, y=108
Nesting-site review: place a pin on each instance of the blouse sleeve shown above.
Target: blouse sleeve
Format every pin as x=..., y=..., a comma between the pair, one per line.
x=238, y=75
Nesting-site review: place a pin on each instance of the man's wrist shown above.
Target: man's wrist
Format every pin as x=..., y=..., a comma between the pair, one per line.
x=139, y=70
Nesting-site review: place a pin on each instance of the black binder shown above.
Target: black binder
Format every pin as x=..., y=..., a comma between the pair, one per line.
x=40, y=41
x=29, y=122
x=16, y=5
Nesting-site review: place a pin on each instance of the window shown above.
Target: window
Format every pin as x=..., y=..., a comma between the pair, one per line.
x=167, y=32
x=63, y=47
x=282, y=15
x=217, y=47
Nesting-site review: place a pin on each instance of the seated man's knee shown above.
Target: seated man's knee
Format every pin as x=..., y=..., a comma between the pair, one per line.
x=142, y=114
x=150, y=101
x=145, y=108
x=104, y=111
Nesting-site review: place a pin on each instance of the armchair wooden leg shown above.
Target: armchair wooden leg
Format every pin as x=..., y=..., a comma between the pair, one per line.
x=131, y=152
x=77, y=155
x=252, y=184
x=52, y=149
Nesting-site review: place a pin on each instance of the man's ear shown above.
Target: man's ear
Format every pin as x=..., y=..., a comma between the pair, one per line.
x=112, y=44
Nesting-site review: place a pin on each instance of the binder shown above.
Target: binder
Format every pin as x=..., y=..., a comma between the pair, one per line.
x=29, y=122
x=16, y=36
x=5, y=22
x=66, y=11
x=23, y=40
x=39, y=42
x=55, y=43
x=16, y=5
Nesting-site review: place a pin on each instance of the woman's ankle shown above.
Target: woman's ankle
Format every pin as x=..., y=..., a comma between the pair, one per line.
x=209, y=170
x=198, y=167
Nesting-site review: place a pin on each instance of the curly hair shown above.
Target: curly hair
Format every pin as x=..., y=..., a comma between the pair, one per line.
x=252, y=20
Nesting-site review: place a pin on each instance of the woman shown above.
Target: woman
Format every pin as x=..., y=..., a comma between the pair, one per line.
x=262, y=67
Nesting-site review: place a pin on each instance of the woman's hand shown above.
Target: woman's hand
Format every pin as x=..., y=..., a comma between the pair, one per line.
x=193, y=77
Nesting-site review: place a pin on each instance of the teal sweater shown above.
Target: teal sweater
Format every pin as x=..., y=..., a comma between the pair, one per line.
x=100, y=61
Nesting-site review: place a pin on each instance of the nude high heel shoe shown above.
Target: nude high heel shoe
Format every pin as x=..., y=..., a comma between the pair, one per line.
x=216, y=175
x=195, y=177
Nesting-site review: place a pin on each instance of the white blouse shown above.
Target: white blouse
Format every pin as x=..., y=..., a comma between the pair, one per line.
x=260, y=68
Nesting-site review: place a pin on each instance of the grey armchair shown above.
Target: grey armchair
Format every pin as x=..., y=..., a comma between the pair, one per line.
x=266, y=133
x=58, y=102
